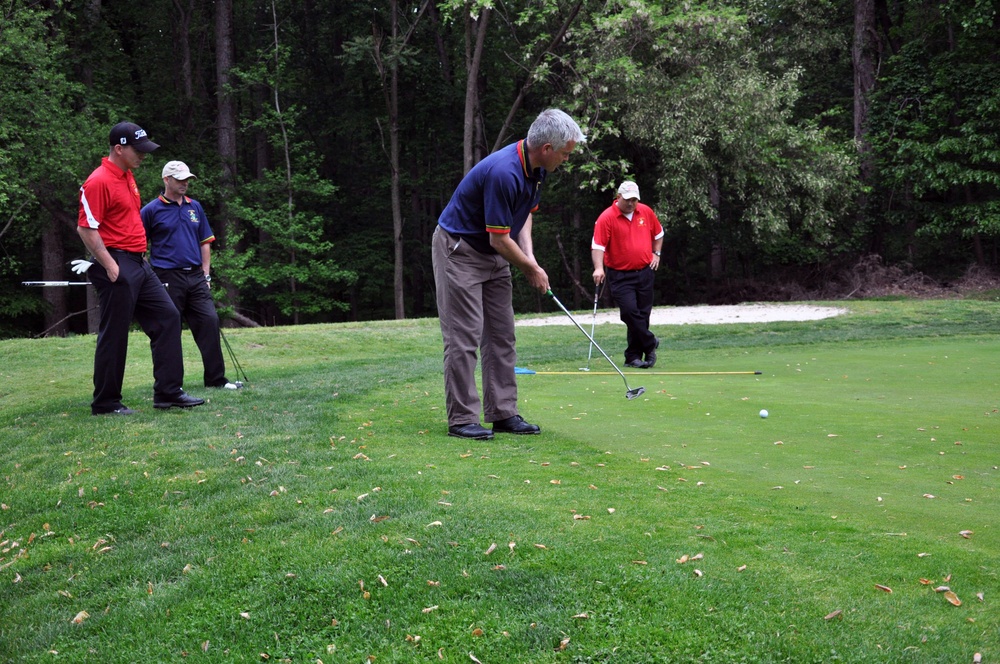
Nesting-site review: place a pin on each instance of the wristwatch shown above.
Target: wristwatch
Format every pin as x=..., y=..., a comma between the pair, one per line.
x=656, y=253
x=208, y=277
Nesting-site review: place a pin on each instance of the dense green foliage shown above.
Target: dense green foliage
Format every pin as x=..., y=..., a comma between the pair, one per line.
x=734, y=116
x=322, y=514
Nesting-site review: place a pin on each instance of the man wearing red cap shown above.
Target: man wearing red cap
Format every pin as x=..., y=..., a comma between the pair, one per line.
x=626, y=251
x=111, y=228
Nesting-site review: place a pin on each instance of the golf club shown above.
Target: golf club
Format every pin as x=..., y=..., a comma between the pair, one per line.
x=652, y=373
x=45, y=284
x=236, y=363
x=593, y=322
x=630, y=394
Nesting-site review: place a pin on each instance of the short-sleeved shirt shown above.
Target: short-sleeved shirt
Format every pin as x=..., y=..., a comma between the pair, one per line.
x=496, y=196
x=627, y=245
x=109, y=203
x=176, y=232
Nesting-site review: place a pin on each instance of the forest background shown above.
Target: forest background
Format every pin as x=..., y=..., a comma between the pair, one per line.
x=783, y=143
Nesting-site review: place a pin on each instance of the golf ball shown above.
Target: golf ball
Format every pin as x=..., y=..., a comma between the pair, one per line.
x=763, y=413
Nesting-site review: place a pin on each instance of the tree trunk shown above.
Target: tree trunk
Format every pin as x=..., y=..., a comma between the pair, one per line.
x=226, y=123
x=54, y=268
x=865, y=54
x=475, y=32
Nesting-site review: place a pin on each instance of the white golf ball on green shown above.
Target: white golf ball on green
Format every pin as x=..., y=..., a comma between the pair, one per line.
x=763, y=413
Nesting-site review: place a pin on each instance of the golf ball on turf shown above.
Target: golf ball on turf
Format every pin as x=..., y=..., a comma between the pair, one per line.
x=763, y=413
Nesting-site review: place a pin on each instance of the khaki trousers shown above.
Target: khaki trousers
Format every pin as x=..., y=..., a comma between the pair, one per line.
x=474, y=303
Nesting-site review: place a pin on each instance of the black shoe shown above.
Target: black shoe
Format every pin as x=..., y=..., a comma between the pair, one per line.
x=182, y=400
x=651, y=355
x=124, y=410
x=515, y=424
x=473, y=431
x=636, y=364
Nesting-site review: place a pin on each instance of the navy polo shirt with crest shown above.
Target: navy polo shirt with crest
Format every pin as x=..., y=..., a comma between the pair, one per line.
x=176, y=232
x=496, y=196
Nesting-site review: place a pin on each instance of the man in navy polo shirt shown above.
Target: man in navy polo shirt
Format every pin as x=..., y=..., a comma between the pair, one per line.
x=180, y=242
x=127, y=288
x=484, y=229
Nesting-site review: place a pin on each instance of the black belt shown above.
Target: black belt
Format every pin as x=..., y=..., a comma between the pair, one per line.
x=140, y=254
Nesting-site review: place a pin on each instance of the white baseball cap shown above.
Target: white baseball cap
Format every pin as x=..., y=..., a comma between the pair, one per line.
x=177, y=170
x=629, y=189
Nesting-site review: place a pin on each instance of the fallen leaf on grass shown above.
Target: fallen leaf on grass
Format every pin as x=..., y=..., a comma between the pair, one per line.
x=582, y=616
x=581, y=517
x=942, y=589
x=883, y=588
x=979, y=596
x=562, y=644
x=952, y=598
x=928, y=495
x=965, y=533
x=926, y=582
x=473, y=658
x=429, y=609
x=698, y=573
x=499, y=568
x=683, y=559
x=80, y=617
x=244, y=615
x=741, y=568
x=541, y=546
x=555, y=481
x=511, y=545
x=834, y=614
x=433, y=523
x=639, y=562
x=477, y=632
x=493, y=547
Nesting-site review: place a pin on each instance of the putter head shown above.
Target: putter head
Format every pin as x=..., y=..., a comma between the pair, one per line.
x=632, y=394
x=584, y=369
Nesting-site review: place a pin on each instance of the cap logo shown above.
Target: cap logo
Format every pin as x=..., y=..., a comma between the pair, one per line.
x=140, y=133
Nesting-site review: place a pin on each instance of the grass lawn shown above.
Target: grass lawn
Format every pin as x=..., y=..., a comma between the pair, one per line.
x=322, y=513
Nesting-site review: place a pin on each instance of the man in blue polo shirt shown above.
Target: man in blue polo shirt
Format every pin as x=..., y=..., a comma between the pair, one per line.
x=180, y=252
x=485, y=228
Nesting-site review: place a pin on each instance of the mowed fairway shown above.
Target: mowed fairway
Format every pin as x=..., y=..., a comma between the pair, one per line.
x=321, y=514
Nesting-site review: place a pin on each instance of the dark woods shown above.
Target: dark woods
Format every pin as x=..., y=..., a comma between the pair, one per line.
x=782, y=144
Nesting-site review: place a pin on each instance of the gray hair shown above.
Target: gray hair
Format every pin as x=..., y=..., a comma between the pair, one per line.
x=556, y=128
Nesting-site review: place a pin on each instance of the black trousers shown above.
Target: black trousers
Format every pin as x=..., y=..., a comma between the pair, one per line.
x=137, y=295
x=192, y=296
x=632, y=291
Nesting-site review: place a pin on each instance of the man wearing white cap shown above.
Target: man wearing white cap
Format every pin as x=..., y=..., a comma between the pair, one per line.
x=626, y=251
x=180, y=252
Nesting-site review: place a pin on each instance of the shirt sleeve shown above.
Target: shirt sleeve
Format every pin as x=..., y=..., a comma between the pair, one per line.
x=93, y=203
x=499, y=194
x=602, y=233
x=205, y=233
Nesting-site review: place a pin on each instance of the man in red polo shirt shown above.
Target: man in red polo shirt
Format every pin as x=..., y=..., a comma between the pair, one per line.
x=626, y=252
x=111, y=228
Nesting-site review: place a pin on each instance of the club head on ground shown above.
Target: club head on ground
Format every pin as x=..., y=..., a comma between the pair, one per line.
x=584, y=368
x=632, y=394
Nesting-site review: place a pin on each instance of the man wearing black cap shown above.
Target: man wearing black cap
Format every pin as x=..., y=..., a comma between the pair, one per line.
x=111, y=228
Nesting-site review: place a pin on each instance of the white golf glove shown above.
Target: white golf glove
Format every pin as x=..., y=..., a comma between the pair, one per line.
x=80, y=266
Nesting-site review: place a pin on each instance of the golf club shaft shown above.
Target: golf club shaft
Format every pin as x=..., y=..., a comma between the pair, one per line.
x=654, y=373
x=593, y=323
x=580, y=327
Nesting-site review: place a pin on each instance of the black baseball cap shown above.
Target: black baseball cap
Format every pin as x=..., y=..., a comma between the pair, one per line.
x=129, y=133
